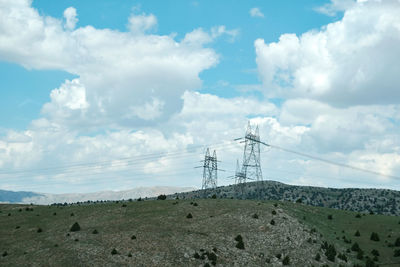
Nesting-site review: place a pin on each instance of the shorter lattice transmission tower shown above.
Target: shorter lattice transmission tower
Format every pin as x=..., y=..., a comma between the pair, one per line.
x=240, y=179
x=210, y=168
x=251, y=155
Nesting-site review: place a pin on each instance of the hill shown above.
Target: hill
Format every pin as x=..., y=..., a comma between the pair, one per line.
x=162, y=233
x=380, y=201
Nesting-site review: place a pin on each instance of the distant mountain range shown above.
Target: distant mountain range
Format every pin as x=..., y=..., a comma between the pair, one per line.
x=44, y=198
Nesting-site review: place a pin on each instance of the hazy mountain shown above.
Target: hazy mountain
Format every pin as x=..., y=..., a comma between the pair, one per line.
x=44, y=198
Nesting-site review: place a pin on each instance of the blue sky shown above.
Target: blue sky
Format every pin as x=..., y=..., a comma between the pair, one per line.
x=89, y=87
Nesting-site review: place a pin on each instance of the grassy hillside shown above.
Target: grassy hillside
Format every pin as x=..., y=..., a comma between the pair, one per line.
x=159, y=233
x=381, y=201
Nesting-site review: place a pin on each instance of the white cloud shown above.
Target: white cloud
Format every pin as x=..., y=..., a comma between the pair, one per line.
x=256, y=12
x=142, y=23
x=335, y=6
x=70, y=16
x=350, y=62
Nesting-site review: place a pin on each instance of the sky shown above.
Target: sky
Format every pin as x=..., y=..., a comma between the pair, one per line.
x=112, y=95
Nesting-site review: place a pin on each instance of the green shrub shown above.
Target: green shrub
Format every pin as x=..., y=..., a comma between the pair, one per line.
x=238, y=238
x=342, y=256
x=272, y=222
x=273, y=212
x=114, y=251
x=298, y=201
x=396, y=253
x=162, y=197
x=240, y=245
x=255, y=216
x=133, y=237
x=330, y=217
x=330, y=253
x=370, y=263
x=95, y=232
x=75, y=227
x=286, y=259
x=360, y=254
x=279, y=255
x=4, y=253
x=189, y=216
x=357, y=233
x=397, y=242
x=214, y=196
x=212, y=256
x=374, y=236
x=39, y=230
x=375, y=252
x=355, y=247
x=318, y=257
x=196, y=255
x=130, y=255
x=358, y=215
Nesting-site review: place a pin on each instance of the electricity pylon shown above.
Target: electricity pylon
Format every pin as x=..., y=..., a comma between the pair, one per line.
x=210, y=167
x=251, y=155
x=240, y=179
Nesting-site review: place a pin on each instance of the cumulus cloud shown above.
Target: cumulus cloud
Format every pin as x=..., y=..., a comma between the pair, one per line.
x=118, y=72
x=71, y=19
x=349, y=62
x=256, y=12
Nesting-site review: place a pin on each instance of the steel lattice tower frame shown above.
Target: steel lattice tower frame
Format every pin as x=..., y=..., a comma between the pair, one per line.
x=251, y=167
x=210, y=167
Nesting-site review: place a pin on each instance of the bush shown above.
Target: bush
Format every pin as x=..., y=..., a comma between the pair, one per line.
x=240, y=245
x=72, y=214
x=279, y=255
x=95, y=232
x=133, y=237
x=255, y=216
x=114, y=251
x=196, y=255
x=298, y=201
x=396, y=253
x=273, y=212
x=375, y=252
x=162, y=197
x=130, y=255
x=214, y=196
x=212, y=256
x=286, y=260
x=330, y=217
x=360, y=254
x=397, y=242
x=39, y=230
x=238, y=238
x=189, y=216
x=370, y=263
x=342, y=256
x=272, y=222
x=276, y=205
x=318, y=257
x=331, y=253
x=358, y=215
x=4, y=253
x=374, y=236
x=355, y=247
x=357, y=233
x=75, y=227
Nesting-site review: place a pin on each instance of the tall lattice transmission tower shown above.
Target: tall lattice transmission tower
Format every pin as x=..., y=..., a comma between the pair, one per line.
x=210, y=168
x=251, y=167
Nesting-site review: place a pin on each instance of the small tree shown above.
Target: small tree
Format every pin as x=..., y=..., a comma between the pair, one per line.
x=286, y=260
x=318, y=257
x=162, y=197
x=75, y=227
x=374, y=236
x=331, y=253
x=355, y=247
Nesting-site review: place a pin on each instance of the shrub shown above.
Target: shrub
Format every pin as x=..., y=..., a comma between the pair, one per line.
x=162, y=197
x=375, y=252
x=279, y=255
x=374, y=236
x=342, y=256
x=255, y=216
x=39, y=230
x=130, y=255
x=214, y=196
x=397, y=242
x=286, y=260
x=195, y=204
x=318, y=257
x=212, y=256
x=95, y=232
x=124, y=205
x=75, y=227
x=4, y=253
x=272, y=222
x=357, y=233
x=355, y=247
x=133, y=237
x=298, y=201
x=276, y=205
x=139, y=199
x=114, y=251
x=396, y=253
x=72, y=214
x=240, y=245
x=369, y=263
x=330, y=217
x=55, y=213
x=238, y=238
x=206, y=265
x=189, y=216
x=330, y=253
x=360, y=254
x=358, y=215
x=196, y=255
x=273, y=212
